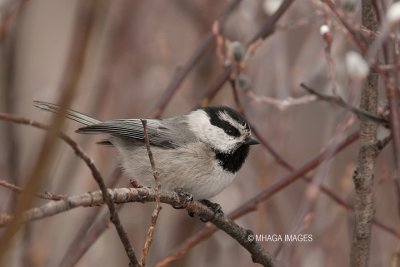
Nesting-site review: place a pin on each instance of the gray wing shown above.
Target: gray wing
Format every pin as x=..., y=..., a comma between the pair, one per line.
x=162, y=133
x=167, y=133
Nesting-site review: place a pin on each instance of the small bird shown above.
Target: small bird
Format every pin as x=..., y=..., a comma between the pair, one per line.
x=198, y=153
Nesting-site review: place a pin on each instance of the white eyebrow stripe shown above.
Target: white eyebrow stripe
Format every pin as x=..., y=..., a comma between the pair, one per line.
x=225, y=116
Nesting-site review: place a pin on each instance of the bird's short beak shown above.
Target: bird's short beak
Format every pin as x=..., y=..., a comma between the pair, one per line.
x=251, y=141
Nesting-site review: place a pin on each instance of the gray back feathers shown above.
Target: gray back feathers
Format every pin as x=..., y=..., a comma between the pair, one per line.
x=167, y=133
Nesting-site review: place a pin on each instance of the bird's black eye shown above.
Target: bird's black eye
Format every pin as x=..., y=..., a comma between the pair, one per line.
x=232, y=131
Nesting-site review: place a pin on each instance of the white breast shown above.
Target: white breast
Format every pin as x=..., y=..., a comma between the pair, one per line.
x=192, y=168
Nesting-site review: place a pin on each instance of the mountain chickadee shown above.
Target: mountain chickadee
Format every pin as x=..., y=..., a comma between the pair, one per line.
x=198, y=153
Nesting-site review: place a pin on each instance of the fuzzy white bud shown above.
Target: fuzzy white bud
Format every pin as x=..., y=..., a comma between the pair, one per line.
x=243, y=82
x=324, y=29
x=237, y=50
x=393, y=13
x=271, y=6
x=357, y=67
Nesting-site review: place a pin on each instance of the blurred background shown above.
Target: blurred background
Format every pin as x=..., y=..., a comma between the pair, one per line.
x=134, y=50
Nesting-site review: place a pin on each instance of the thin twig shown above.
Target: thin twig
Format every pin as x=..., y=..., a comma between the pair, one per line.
x=269, y=25
x=157, y=208
x=328, y=39
x=18, y=189
x=362, y=114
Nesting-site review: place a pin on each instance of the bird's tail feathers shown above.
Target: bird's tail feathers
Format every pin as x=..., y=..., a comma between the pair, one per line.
x=70, y=114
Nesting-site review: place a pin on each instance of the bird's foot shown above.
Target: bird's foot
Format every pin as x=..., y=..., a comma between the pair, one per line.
x=215, y=207
x=184, y=198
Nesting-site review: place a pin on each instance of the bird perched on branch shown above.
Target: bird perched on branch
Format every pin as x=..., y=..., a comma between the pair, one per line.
x=198, y=153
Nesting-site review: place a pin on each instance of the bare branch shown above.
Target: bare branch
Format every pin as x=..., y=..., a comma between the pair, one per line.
x=125, y=195
x=362, y=114
x=17, y=189
x=157, y=208
x=269, y=25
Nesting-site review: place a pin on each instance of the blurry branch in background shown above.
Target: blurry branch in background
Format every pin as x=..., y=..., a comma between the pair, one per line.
x=71, y=78
x=17, y=189
x=300, y=22
x=9, y=17
x=354, y=35
x=91, y=229
x=8, y=40
x=268, y=27
x=157, y=208
x=281, y=104
x=327, y=37
x=79, y=247
x=95, y=173
x=182, y=72
x=125, y=195
x=391, y=56
x=338, y=100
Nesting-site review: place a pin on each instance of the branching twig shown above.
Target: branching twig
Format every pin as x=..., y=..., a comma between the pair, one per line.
x=362, y=114
x=157, y=208
x=125, y=195
x=264, y=32
x=18, y=189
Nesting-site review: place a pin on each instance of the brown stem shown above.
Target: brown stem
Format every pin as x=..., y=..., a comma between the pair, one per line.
x=363, y=178
x=157, y=208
